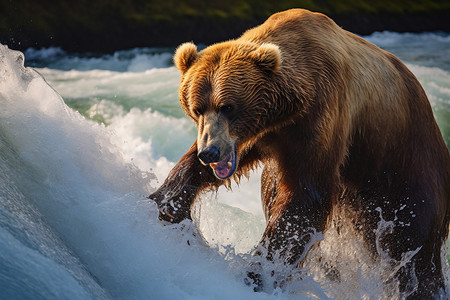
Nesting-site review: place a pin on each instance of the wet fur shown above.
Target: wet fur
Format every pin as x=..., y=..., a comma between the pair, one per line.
x=335, y=121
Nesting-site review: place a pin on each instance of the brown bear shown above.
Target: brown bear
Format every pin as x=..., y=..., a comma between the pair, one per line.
x=336, y=122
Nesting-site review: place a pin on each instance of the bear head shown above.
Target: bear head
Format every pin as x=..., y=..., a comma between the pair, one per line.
x=227, y=90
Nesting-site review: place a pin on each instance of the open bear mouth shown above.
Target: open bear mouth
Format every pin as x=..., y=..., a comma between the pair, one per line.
x=226, y=167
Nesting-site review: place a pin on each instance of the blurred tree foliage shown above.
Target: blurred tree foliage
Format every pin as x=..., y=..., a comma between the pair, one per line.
x=88, y=24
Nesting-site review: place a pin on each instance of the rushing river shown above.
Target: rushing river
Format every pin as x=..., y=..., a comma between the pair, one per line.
x=85, y=138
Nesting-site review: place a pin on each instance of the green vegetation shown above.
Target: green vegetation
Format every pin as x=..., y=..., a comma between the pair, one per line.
x=103, y=24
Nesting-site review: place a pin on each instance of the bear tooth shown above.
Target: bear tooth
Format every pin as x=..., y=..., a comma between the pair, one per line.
x=229, y=164
x=213, y=165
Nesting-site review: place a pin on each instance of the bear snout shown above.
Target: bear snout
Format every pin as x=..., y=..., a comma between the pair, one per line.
x=209, y=155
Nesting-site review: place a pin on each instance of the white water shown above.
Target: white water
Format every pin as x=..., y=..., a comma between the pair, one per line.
x=74, y=220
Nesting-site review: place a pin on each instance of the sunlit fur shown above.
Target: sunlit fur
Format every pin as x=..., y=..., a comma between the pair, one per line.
x=185, y=56
x=336, y=122
x=205, y=89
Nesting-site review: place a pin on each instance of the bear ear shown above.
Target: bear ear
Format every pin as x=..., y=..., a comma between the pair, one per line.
x=184, y=57
x=267, y=56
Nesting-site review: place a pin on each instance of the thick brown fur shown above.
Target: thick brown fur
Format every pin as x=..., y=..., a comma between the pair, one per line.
x=335, y=121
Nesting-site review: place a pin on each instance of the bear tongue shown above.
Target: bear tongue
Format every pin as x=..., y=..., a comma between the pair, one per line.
x=223, y=167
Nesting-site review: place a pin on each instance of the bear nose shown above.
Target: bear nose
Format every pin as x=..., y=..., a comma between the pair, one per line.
x=209, y=155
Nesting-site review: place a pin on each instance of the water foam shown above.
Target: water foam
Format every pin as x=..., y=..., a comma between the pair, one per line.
x=430, y=49
x=96, y=202
x=90, y=183
x=135, y=60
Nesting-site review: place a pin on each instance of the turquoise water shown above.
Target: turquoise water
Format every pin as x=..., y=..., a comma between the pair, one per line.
x=83, y=145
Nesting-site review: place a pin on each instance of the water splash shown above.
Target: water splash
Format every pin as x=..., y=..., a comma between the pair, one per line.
x=87, y=188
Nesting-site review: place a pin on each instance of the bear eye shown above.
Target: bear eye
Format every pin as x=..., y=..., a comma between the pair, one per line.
x=197, y=112
x=226, y=109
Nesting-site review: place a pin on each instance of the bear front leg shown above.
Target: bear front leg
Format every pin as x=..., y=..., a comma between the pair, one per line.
x=181, y=187
x=296, y=212
x=293, y=229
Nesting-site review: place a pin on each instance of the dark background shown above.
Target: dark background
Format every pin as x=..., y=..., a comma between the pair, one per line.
x=109, y=25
